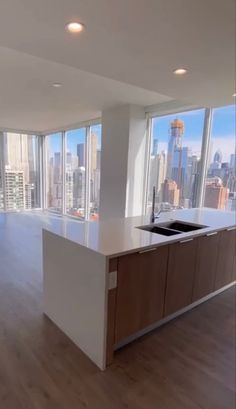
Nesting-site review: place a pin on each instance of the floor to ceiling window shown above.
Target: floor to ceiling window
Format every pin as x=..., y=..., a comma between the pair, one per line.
x=175, y=154
x=82, y=171
x=220, y=183
x=19, y=171
x=181, y=177
x=54, y=181
x=75, y=172
x=59, y=172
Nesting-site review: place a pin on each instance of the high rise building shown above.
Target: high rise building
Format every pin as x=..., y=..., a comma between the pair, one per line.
x=1, y=199
x=175, y=144
x=194, y=176
x=14, y=189
x=155, y=147
x=56, y=181
x=29, y=195
x=81, y=154
x=218, y=157
x=16, y=153
x=158, y=165
x=69, y=186
x=179, y=172
x=79, y=188
x=233, y=160
x=216, y=195
x=170, y=192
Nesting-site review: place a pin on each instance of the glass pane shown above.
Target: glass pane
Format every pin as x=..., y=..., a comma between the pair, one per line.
x=54, y=171
x=95, y=166
x=176, y=142
x=21, y=171
x=220, y=185
x=75, y=172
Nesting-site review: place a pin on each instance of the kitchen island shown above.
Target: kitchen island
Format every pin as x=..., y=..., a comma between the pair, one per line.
x=107, y=283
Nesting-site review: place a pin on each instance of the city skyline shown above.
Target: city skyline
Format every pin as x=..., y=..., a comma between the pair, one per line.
x=76, y=168
x=223, y=129
x=75, y=136
x=175, y=163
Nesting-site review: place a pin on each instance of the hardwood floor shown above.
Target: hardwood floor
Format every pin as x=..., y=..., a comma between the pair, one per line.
x=187, y=364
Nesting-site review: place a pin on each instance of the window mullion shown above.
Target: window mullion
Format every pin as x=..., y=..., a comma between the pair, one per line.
x=204, y=157
x=41, y=162
x=63, y=172
x=87, y=171
x=147, y=165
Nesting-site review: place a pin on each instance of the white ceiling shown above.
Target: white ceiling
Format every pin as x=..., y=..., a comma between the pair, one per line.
x=28, y=101
x=131, y=46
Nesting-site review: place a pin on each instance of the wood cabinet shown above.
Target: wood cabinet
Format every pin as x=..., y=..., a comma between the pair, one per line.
x=234, y=268
x=225, y=269
x=156, y=283
x=206, y=263
x=180, y=275
x=141, y=284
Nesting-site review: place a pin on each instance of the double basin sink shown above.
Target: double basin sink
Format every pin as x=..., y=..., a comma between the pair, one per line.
x=172, y=228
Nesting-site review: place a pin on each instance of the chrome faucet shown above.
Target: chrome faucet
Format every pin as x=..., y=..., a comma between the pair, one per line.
x=154, y=215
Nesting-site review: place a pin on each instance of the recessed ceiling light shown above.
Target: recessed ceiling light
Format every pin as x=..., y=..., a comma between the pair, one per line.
x=180, y=71
x=74, y=27
x=57, y=85
x=234, y=95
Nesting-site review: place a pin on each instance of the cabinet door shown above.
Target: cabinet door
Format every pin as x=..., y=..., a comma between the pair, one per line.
x=180, y=275
x=226, y=255
x=140, y=291
x=207, y=251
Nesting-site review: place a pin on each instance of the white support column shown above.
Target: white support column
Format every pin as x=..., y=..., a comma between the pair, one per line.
x=136, y=171
x=122, y=161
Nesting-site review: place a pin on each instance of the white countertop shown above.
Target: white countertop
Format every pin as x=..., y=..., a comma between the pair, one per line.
x=120, y=236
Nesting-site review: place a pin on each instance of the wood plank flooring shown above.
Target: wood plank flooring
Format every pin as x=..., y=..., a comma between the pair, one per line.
x=187, y=364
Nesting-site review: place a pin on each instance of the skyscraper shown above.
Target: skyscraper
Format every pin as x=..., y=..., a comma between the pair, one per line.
x=158, y=172
x=14, y=189
x=81, y=154
x=16, y=153
x=170, y=192
x=79, y=188
x=216, y=195
x=218, y=156
x=155, y=147
x=175, y=144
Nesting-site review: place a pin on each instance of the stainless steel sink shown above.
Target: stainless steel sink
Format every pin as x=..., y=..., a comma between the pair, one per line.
x=182, y=226
x=160, y=230
x=171, y=228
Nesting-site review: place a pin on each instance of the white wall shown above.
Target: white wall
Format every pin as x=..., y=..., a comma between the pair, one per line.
x=122, y=161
